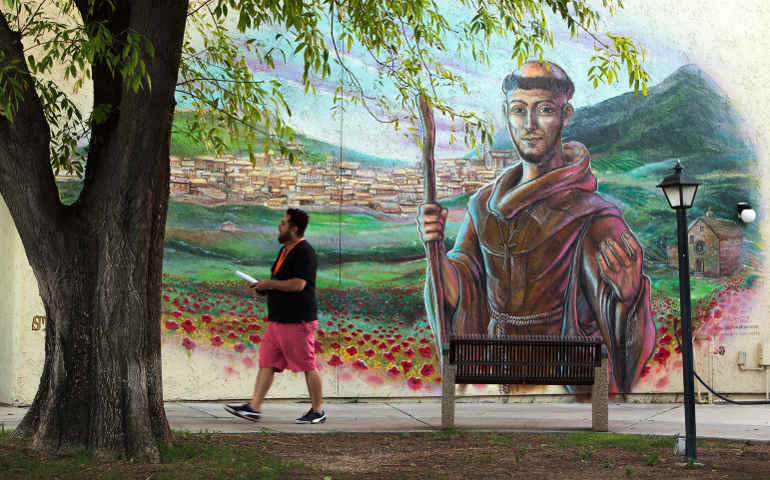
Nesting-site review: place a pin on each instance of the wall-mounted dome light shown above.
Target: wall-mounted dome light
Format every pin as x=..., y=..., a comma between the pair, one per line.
x=746, y=213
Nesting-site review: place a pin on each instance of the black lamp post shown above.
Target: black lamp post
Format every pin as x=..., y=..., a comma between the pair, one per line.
x=680, y=189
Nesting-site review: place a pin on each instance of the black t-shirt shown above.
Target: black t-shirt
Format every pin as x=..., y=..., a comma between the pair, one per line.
x=294, y=307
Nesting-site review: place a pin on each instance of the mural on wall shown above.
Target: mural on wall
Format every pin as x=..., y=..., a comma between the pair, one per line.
x=539, y=252
x=568, y=259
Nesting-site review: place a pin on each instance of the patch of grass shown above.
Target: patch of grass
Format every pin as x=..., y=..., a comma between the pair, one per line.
x=651, y=459
x=627, y=442
x=218, y=458
x=496, y=438
x=586, y=455
x=444, y=435
x=519, y=454
x=629, y=471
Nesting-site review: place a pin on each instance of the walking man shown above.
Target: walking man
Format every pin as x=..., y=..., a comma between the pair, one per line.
x=289, y=340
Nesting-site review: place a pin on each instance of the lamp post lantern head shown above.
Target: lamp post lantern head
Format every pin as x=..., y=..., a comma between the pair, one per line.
x=746, y=212
x=679, y=188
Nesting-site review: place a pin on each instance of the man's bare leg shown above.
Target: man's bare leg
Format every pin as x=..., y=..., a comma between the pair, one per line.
x=314, y=388
x=261, y=386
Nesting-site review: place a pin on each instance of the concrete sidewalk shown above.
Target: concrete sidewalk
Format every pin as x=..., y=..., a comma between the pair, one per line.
x=745, y=422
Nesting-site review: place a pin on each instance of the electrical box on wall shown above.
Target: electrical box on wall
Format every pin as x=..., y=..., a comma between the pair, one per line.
x=764, y=353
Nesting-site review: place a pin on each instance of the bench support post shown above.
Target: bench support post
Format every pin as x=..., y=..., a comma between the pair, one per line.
x=448, y=372
x=600, y=398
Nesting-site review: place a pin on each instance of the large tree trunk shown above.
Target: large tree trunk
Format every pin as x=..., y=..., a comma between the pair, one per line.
x=98, y=263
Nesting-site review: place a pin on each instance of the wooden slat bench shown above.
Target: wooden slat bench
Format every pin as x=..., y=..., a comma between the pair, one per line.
x=526, y=360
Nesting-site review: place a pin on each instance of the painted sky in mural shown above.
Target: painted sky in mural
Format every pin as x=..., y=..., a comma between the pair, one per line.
x=573, y=54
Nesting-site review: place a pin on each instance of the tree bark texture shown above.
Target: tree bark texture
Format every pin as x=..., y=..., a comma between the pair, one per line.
x=98, y=262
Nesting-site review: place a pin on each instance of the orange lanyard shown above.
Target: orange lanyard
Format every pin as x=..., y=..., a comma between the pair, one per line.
x=284, y=254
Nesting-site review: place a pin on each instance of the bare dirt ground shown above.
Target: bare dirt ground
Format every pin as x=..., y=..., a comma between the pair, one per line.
x=436, y=455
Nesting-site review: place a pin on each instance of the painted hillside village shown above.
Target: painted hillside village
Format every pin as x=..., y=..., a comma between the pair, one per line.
x=274, y=182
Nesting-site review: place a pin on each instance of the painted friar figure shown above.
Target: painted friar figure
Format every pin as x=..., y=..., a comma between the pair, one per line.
x=539, y=251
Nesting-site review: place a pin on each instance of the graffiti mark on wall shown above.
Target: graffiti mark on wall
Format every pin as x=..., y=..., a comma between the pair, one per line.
x=38, y=322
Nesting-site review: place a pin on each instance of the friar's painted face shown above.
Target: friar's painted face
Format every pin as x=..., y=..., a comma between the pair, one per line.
x=535, y=120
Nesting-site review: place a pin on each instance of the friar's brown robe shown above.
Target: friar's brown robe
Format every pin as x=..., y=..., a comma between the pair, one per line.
x=521, y=269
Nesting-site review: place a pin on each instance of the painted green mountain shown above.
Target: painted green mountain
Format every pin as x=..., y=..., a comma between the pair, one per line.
x=315, y=150
x=684, y=115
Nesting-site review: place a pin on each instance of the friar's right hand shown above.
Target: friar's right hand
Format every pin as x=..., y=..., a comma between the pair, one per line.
x=431, y=218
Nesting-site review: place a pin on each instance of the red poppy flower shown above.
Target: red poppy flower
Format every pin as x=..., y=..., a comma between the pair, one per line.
x=347, y=338
x=394, y=371
x=176, y=313
x=361, y=342
x=662, y=355
x=255, y=338
x=360, y=365
x=188, y=326
x=367, y=336
x=424, y=340
x=206, y=318
x=427, y=370
x=406, y=365
x=382, y=346
x=188, y=344
x=645, y=372
x=665, y=340
x=335, y=345
x=351, y=350
x=395, y=348
x=335, y=361
x=232, y=335
x=414, y=383
x=216, y=341
x=388, y=356
x=320, y=333
x=409, y=353
x=318, y=347
x=369, y=352
x=239, y=347
x=425, y=351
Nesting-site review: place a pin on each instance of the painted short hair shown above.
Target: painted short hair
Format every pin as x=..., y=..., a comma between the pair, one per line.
x=299, y=219
x=561, y=85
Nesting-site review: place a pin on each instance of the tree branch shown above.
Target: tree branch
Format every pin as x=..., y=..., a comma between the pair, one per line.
x=26, y=177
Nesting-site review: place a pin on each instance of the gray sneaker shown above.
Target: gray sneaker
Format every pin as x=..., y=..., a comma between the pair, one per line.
x=244, y=410
x=313, y=417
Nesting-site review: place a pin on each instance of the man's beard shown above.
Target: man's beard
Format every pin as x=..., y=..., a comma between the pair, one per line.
x=536, y=158
x=283, y=237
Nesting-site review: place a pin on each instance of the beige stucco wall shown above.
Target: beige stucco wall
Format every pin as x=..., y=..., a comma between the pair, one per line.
x=21, y=347
x=727, y=41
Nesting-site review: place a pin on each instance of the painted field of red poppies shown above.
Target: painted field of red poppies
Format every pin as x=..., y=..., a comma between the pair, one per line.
x=377, y=335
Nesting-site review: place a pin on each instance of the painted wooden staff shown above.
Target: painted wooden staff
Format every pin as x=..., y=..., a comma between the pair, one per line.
x=434, y=246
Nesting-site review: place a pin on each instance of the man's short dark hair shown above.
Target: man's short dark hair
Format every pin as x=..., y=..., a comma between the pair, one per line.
x=299, y=219
x=561, y=85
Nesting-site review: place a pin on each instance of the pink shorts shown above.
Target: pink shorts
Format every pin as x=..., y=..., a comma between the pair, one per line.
x=289, y=345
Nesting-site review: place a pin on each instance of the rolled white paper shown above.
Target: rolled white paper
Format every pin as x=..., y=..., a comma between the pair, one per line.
x=248, y=278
